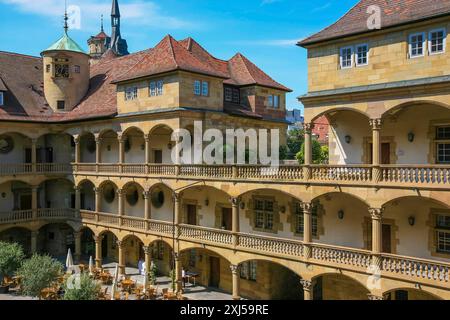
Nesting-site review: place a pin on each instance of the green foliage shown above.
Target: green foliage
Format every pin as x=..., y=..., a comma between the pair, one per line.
x=295, y=140
x=153, y=274
x=284, y=153
x=11, y=257
x=82, y=288
x=38, y=272
x=319, y=153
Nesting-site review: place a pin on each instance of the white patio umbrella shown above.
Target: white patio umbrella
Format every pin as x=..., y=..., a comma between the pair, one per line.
x=91, y=265
x=69, y=260
x=114, y=285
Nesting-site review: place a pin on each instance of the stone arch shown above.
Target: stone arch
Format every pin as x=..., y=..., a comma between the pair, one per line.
x=319, y=195
x=55, y=238
x=18, y=234
x=338, y=109
x=411, y=294
x=134, y=140
x=133, y=249
x=161, y=144
x=161, y=202
x=395, y=108
x=109, y=146
x=327, y=285
x=87, y=147
x=424, y=198
x=109, y=247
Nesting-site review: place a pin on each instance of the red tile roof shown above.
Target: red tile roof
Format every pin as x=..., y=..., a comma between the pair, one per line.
x=23, y=76
x=393, y=13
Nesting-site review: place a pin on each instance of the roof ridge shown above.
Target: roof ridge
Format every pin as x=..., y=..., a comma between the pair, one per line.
x=243, y=58
x=331, y=25
x=201, y=47
x=19, y=54
x=172, y=51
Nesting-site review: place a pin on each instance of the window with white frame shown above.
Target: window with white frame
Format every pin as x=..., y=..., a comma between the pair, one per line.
x=248, y=270
x=197, y=87
x=417, y=45
x=1, y=99
x=362, y=55
x=443, y=233
x=443, y=145
x=156, y=88
x=131, y=93
x=436, y=40
x=346, y=58
x=264, y=214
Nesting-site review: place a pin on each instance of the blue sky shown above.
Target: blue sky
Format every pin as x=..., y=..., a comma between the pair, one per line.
x=263, y=30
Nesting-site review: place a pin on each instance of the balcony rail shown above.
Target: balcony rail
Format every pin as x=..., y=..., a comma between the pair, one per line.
x=15, y=168
x=351, y=173
x=416, y=174
x=16, y=216
x=435, y=272
x=189, y=232
x=28, y=168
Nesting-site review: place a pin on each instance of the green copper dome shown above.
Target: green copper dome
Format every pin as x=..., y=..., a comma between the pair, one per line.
x=65, y=44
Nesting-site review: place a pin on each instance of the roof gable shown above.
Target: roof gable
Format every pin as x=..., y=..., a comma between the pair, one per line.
x=393, y=13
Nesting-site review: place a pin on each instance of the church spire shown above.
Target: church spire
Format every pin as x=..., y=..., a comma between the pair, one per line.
x=118, y=45
x=101, y=27
x=66, y=18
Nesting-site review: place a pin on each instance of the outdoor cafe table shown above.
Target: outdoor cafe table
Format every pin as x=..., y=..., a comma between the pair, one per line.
x=127, y=284
x=193, y=275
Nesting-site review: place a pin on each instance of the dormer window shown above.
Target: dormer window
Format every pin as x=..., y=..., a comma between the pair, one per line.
x=156, y=88
x=1, y=98
x=232, y=95
x=273, y=101
x=131, y=93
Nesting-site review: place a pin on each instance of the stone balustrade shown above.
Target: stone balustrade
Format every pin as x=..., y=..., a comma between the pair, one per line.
x=420, y=270
x=437, y=176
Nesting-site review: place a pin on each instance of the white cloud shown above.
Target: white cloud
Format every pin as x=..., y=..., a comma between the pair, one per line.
x=321, y=8
x=136, y=12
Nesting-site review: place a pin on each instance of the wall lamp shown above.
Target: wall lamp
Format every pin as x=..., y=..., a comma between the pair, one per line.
x=341, y=214
x=411, y=136
x=412, y=220
x=207, y=202
x=348, y=139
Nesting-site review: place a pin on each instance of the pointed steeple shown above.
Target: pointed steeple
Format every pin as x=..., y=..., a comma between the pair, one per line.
x=101, y=28
x=115, y=9
x=118, y=44
x=66, y=18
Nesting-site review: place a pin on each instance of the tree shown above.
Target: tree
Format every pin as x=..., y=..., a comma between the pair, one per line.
x=153, y=274
x=83, y=287
x=38, y=272
x=319, y=153
x=11, y=257
x=295, y=139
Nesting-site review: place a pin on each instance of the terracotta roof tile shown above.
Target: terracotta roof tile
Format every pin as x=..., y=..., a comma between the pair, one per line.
x=393, y=13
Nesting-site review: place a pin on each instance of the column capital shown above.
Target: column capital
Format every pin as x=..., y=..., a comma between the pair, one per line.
x=235, y=201
x=147, y=137
x=234, y=269
x=376, y=123
x=120, y=244
x=308, y=127
x=97, y=239
x=146, y=194
x=376, y=213
x=34, y=233
x=77, y=234
x=176, y=256
x=306, y=284
x=34, y=141
x=97, y=190
x=147, y=249
x=34, y=188
x=121, y=137
x=306, y=207
x=374, y=297
x=77, y=188
x=76, y=139
x=120, y=192
x=176, y=196
x=98, y=139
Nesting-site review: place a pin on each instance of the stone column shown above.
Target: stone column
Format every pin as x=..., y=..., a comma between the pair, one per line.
x=148, y=258
x=77, y=255
x=34, y=236
x=76, y=140
x=34, y=201
x=376, y=149
x=98, y=251
x=235, y=280
x=307, y=228
x=147, y=205
x=121, y=205
x=308, y=150
x=98, y=195
x=121, y=246
x=33, y=155
x=177, y=210
x=307, y=289
x=235, y=220
x=77, y=201
x=178, y=274
x=377, y=238
x=98, y=151
x=147, y=152
x=121, y=151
